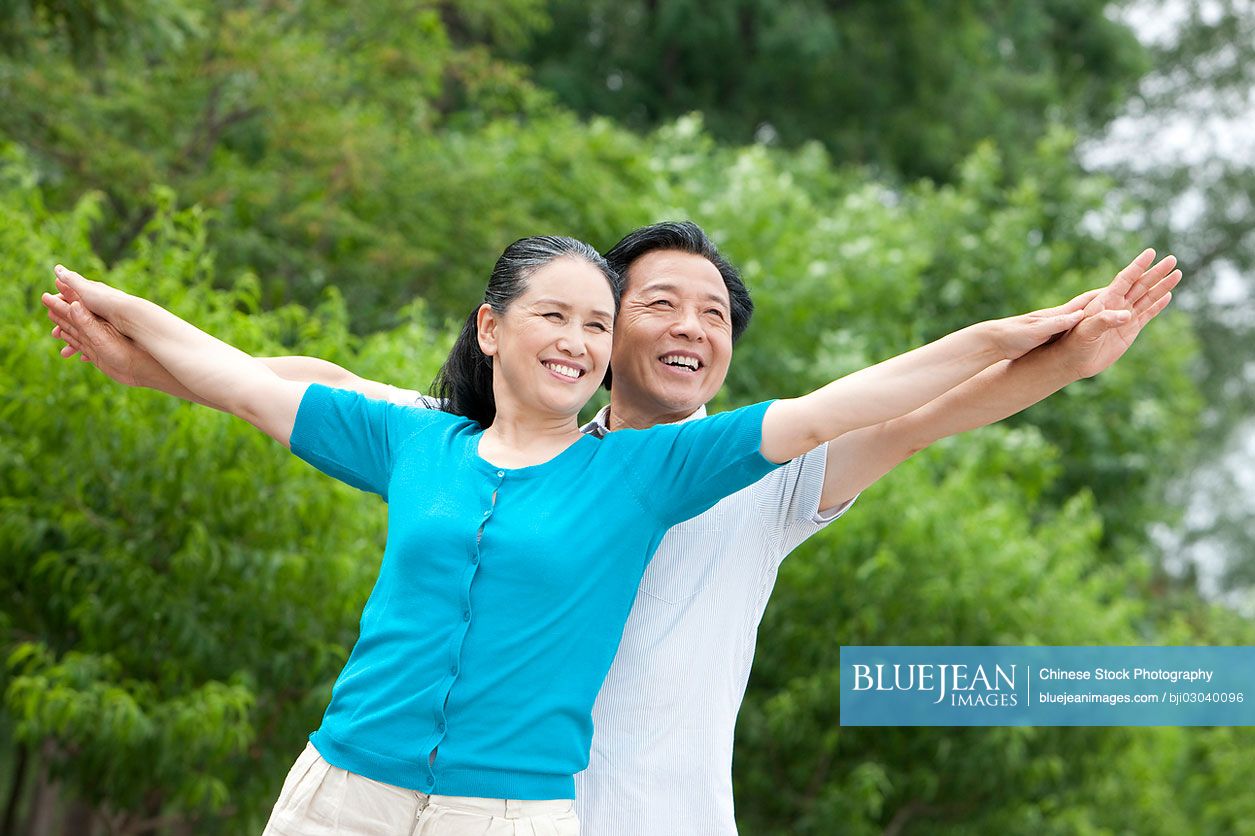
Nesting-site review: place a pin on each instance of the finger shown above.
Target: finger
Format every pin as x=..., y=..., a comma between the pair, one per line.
x=1151, y=277
x=1157, y=292
x=68, y=351
x=74, y=283
x=1114, y=319
x=65, y=289
x=61, y=316
x=76, y=341
x=82, y=317
x=1079, y=302
x=1125, y=278
x=1064, y=321
x=1154, y=310
x=58, y=319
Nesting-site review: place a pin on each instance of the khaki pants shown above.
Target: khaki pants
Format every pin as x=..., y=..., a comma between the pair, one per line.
x=319, y=799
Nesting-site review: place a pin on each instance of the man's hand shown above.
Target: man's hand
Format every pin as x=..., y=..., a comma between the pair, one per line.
x=1141, y=291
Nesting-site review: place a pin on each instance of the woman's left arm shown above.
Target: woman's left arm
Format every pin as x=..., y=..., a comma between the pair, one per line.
x=903, y=384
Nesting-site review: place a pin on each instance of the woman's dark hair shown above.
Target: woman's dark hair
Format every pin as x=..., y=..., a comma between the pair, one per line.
x=464, y=383
x=687, y=237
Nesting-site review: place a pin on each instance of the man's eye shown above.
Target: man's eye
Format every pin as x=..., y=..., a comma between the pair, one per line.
x=716, y=312
x=661, y=302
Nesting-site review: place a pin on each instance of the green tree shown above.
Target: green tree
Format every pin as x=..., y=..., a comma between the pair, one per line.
x=909, y=88
x=177, y=593
x=307, y=130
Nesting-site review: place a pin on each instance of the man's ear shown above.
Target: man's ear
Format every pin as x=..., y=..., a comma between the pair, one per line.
x=486, y=322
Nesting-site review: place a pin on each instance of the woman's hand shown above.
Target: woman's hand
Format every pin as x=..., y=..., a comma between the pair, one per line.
x=1110, y=315
x=1015, y=336
x=97, y=341
x=104, y=301
x=207, y=369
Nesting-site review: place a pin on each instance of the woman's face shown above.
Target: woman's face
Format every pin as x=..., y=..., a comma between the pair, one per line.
x=551, y=348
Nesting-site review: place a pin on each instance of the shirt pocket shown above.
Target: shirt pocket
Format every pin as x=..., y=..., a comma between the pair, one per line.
x=686, y=559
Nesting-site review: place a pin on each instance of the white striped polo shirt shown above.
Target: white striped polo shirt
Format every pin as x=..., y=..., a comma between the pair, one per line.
x=661, y=762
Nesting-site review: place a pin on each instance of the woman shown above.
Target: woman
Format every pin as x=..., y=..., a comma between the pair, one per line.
x=515, y=543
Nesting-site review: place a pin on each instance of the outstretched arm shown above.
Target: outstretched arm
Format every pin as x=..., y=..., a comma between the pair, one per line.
x=96, y=341
x=208, y=369
x=857, y=459
x=903, y=384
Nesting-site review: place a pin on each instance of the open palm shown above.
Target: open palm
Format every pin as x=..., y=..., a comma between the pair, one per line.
x=1106, y=332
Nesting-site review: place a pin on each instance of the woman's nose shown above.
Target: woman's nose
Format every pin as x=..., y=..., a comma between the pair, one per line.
x=571, y=342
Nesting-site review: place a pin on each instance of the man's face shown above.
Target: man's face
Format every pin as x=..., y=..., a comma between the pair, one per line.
x=673, y=335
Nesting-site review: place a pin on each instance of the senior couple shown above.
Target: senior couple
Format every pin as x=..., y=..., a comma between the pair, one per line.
x=562, y=627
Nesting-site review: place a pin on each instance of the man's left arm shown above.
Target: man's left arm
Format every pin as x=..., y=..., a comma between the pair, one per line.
x=857, y=459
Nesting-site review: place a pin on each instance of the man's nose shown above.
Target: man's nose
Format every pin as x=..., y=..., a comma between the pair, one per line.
x=687, y=323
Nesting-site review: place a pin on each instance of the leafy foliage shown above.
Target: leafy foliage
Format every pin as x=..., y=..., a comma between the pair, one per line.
x=160, y=561
x=910, y=88
x=177, y=594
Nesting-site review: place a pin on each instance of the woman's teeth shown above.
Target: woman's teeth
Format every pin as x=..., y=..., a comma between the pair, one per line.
x=565, y=371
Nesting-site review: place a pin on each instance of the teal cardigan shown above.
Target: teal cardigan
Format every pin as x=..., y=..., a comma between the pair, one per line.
x=503, y=592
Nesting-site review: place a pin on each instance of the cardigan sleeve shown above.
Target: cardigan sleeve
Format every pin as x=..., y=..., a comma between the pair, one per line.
x=354, y=438
x=682, y=470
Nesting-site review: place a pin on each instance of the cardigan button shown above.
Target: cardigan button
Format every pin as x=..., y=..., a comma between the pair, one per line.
x=501, y=473
x=466, y=616
x=453, y=669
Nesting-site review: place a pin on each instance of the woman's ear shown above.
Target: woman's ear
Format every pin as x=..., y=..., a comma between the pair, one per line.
x=486, y=324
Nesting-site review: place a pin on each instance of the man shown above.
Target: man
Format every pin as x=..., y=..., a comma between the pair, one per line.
x=661, y=757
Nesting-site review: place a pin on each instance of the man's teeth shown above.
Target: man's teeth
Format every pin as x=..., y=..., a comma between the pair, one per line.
x=678, y=360
x=565, y=371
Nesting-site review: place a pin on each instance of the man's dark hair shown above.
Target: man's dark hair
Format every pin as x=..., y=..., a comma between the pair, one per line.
x=686, y=237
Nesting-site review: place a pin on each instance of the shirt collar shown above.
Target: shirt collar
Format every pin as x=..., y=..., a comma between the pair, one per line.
x=598, y=427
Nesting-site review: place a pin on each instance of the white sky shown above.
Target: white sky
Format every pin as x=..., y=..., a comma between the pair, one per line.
x=1204, y=128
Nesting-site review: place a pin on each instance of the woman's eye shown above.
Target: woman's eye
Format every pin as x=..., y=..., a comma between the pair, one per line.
x=716, y=312
x=554, y=315
x=598, y=326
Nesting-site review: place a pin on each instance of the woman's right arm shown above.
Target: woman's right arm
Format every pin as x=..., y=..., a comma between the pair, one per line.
x=212, y=371
x=122, y=360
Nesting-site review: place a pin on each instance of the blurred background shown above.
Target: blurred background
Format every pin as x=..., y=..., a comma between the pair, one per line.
x=177, y=594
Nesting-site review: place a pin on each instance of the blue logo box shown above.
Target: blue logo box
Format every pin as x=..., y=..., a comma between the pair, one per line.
x=1047, y=686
